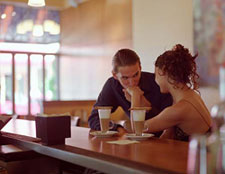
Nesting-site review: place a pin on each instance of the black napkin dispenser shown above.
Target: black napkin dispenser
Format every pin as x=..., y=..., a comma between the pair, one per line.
x=53, y=130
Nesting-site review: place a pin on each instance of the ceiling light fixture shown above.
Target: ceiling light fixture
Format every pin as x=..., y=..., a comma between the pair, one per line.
x=36, y=3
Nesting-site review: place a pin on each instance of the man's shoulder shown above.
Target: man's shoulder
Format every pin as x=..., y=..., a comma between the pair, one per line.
x=112, y=82
x=148, y=75
x=147, y=82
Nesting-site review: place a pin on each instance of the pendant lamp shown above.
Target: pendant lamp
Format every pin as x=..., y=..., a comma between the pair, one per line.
x=36, y=3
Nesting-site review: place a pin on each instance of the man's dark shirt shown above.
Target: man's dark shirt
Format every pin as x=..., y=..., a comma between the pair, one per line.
x=113, y=95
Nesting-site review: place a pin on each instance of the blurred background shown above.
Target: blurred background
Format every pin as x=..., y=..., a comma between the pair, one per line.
x=63, y=51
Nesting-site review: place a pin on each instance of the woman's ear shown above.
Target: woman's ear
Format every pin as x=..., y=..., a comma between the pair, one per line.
x=160, y=72
x=114, y=75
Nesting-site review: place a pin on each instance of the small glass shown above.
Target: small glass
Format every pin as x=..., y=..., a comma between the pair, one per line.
x=138, y=119
x=104, y=113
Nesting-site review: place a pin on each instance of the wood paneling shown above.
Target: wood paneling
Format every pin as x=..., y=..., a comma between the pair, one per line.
x=97, y=22
x=80, y=108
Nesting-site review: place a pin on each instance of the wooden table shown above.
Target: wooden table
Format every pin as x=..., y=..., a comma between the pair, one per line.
x=150, y=156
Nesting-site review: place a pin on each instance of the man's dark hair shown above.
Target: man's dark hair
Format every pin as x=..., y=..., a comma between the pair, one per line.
x=124, y=57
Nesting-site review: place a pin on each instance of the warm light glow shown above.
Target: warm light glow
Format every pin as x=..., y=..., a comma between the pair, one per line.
x=27, y=47
x=36, y=3
x=48, y=25
x=38, y=31
x=52, y=27
x=3, y=16
x=25, y=26
x=14, y=13
x=55, y=30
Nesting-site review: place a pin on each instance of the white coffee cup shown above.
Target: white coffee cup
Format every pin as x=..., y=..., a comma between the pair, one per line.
x=104, y=113
x=138, y=121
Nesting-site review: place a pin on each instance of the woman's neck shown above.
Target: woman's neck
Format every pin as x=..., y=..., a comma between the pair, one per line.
x=178, y=93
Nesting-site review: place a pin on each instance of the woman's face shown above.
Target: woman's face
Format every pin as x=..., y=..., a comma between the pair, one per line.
x=161, y=80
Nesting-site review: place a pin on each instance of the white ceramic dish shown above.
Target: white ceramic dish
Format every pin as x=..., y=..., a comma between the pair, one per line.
x=103, y=135
x=144, y=136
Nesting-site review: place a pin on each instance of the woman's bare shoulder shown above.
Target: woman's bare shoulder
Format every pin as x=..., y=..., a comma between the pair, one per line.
x=180, y=109
x=175, y=111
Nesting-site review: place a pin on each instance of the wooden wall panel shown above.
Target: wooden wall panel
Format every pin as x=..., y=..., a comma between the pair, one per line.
x=97, y=22
x=80, y=108
x=117, y=21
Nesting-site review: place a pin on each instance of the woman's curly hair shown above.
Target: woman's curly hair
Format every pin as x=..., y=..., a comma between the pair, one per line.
x=180, y=66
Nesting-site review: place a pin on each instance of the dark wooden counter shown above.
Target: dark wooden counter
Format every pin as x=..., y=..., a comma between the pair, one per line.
x=150, y=156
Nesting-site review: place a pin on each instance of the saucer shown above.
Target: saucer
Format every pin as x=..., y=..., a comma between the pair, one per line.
x=144, y=136
x=103, y=135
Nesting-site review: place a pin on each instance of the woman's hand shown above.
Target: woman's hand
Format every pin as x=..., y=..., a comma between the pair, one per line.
x=135, y=89
x=168, y=133
x=131, y=91
x=121, y=131
x=146, y=126
x=127, y=95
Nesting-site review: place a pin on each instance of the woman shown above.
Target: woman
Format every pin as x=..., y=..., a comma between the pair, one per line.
x=175, y=73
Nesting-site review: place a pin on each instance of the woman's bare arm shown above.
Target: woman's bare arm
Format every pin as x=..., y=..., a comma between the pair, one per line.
x=168, y=118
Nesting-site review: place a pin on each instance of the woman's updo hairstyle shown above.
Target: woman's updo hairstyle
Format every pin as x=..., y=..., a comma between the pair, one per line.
x=180, y=66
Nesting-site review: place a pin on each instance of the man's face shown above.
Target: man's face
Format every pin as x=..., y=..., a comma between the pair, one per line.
x=128, y=76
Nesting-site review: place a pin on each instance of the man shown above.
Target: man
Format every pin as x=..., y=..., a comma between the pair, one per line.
x=127, y=74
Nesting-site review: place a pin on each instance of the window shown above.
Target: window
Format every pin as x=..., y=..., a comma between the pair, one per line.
x=28, y=58
x=26, y=79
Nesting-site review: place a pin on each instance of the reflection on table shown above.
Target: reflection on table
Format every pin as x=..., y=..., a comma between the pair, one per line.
x=153, y=155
